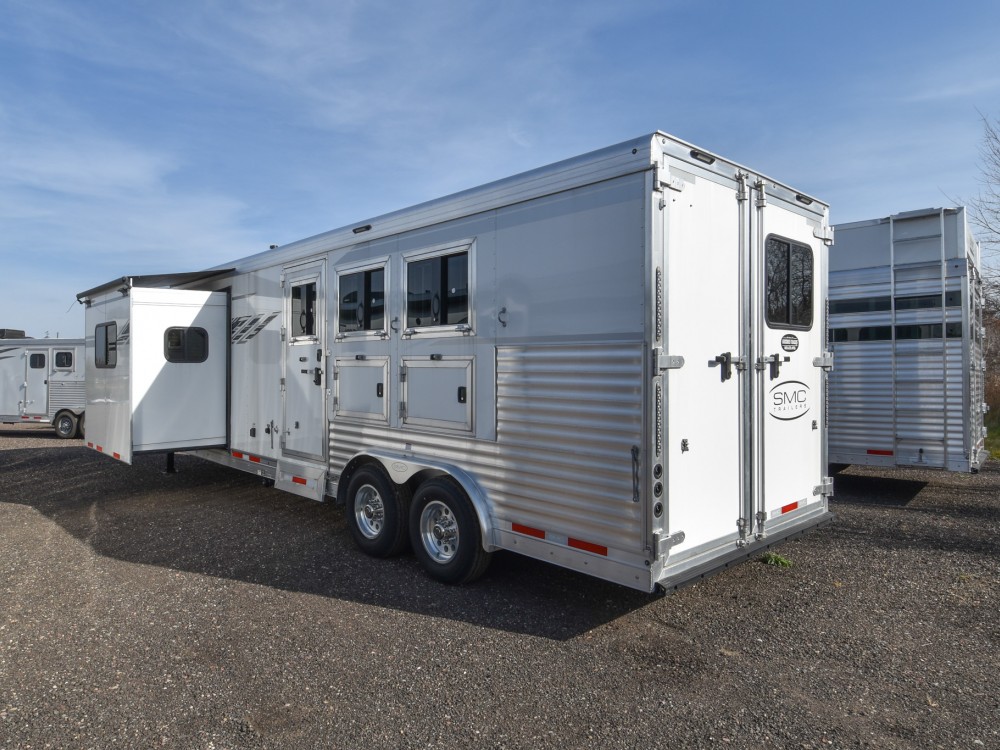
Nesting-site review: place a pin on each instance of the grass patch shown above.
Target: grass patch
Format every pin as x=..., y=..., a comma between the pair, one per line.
x=993, y=433
x=773, y=558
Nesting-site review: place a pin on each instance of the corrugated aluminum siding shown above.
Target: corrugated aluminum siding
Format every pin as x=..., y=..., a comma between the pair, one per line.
x=71, y=395
x=567, y=419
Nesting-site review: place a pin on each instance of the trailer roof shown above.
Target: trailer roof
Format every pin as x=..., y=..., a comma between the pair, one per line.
x=156, y=281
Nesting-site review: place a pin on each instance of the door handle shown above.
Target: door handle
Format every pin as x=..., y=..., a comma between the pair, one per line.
x=318, y=375
x=725, y=364
x=775, y=361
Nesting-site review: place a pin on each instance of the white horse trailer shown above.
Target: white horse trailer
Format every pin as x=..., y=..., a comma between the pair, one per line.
x=906, y=322
x=42, y=381
x=616, y=363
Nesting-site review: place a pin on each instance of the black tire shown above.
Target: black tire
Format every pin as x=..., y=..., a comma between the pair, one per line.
x=377, y=512
x=80, y=430
x=445, y=533
x=65, y=425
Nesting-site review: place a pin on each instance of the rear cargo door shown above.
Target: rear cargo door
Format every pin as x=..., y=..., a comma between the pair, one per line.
x=36, y=383
x=304, y=382
x=789, y=334
x=702, y=426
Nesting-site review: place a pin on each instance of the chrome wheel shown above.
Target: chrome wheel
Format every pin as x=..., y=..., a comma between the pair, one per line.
x=369, y=511
x=439, y=531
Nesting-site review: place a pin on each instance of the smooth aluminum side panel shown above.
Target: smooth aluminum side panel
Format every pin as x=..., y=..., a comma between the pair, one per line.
x=178, y=405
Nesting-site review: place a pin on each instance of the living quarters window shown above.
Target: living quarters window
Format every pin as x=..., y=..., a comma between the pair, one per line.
x=185, y=345
x=362, y=301
x=437, y=290
x=36, y=361
x=64, y=360
x=789, y=284
x=106, y=345
x=303, y=299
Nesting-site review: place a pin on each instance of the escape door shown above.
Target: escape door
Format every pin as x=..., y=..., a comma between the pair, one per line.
x=36, y=383
x=789, y=334
x=304, y=386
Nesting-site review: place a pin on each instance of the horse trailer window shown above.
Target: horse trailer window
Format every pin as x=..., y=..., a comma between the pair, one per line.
x=64, y=360
x=918, y=302
x=304, y=310
x=864, y=333
x=362, y=301
x=921, y=331
x=865, y=304
x=437, y=291
x=789, y=284
x=185, y=345
x=36, y=361
x=106, y=345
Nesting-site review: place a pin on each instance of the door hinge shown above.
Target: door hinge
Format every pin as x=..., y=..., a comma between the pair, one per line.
x=402, y=410
x=825, y=361
x=824, y=233
x=667, y=362
x=282, y=333
x=402, y=373
x=825, y=489
x=761, y=194
x=662, y=543
x=741, y=186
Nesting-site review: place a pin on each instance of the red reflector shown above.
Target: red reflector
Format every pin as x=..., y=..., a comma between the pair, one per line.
x=879, y=453
x=100, y=449
x=597, y=549
x=298, y=480
x=522, y=529
x=254, y=459
x=90, y=445
x=237, y=454
x=789, y=507
x=117, y=455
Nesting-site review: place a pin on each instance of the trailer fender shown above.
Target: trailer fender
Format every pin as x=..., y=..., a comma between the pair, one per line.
x=403, y=468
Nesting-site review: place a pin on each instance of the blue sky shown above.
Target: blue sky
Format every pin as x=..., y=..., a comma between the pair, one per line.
x=146, y=137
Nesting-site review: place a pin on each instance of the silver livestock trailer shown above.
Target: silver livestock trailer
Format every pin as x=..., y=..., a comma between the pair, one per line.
x=906, y=324
x=42, y=381
x=616, y=364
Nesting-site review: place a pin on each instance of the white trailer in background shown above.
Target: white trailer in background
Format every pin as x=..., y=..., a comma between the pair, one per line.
x=616, y=363
x=42, y=381
x=906, y=324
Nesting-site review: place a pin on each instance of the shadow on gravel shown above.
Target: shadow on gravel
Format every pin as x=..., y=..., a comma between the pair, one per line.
x=215, y=521
x=40, y=433
x=864, y=490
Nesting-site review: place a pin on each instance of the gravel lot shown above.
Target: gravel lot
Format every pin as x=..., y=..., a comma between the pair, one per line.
x=203, y=610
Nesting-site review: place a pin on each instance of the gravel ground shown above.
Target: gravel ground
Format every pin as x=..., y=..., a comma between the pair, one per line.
x=203, y=610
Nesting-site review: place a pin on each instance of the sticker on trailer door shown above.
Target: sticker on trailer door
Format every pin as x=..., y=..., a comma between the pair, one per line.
x=788, y=400
x=790, y=342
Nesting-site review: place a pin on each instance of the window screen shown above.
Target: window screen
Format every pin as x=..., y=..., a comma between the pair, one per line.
x=64, y=360
x=303, y=322
x=185, y=345
x=36, y=361
x=437, y=291
x=362, y=301
x=789, y=284
x=106, y=345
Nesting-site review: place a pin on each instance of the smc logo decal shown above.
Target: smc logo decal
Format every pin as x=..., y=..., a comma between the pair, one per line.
x=788, y=400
